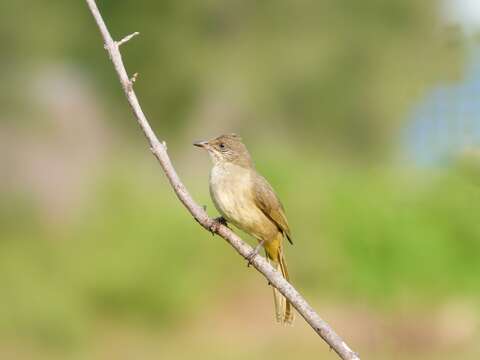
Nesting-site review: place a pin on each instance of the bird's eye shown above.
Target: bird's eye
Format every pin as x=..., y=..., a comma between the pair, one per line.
x=222, y=146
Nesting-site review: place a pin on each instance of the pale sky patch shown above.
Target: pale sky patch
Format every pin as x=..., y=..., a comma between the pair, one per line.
x=463, y=12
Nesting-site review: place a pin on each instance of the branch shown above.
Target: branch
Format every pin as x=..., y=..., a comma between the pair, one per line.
x=159, y=149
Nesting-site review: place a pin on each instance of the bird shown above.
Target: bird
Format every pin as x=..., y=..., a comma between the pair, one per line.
x=245, y=199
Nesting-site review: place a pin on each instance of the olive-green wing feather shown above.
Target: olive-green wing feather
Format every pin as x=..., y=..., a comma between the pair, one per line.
x=267, y=201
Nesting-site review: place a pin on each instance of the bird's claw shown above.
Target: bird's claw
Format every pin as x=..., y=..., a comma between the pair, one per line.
x=254, y=253
x=221, y=220
x=217, y=221
x=251, y=257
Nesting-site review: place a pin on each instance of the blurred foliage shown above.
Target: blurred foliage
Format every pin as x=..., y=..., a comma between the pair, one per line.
x=374, y=235
x=340, y=73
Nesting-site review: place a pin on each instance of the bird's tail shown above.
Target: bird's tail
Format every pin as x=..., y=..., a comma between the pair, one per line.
x=283, y=307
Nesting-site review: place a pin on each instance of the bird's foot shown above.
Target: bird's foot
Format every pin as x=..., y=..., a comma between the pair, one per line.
x=216, y=222
x=254, y=253
x=221, y=220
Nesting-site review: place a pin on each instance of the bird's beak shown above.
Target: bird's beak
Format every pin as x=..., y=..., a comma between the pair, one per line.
x=202, y=144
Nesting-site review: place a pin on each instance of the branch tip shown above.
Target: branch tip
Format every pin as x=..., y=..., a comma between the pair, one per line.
x=126, y=38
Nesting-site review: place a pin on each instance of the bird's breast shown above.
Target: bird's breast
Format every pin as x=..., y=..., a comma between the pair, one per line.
x=231, y=191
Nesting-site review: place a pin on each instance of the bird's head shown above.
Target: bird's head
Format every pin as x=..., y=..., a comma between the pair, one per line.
x=227, y=149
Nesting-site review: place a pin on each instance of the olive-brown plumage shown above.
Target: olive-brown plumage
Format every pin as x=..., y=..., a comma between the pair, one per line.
x=246, y=199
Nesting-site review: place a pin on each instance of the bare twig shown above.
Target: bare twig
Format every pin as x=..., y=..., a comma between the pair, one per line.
x=127, y=38
x=159, y=149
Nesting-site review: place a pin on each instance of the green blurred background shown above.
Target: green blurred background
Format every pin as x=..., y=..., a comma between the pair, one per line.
x=98, y=260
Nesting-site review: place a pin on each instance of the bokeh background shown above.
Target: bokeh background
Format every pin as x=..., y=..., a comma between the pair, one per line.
x=364, y=115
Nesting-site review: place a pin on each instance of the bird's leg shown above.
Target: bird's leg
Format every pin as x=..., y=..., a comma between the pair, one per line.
x=254, y=252
x=216, y=222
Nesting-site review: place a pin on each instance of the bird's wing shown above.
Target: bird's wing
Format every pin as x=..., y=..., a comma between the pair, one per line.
x=267, y=201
